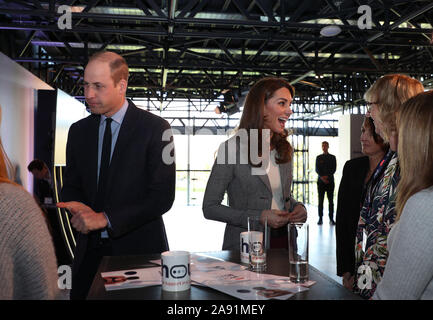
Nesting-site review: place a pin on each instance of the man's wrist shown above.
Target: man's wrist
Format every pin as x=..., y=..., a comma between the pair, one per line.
x=108, y=225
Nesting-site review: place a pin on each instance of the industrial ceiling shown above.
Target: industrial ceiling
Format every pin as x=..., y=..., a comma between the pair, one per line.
x=202, y=48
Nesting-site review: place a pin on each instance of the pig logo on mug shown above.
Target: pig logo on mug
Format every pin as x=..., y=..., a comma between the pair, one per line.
x=176, y=272
x=257, y=246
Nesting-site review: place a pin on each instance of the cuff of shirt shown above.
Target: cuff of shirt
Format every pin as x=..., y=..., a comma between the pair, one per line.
x=108, y=220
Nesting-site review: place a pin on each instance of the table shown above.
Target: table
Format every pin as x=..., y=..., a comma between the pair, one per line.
x=325, y=288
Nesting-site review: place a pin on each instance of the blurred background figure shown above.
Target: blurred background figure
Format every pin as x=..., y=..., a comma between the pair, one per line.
x=409, y=269
x=357, y=174
x=43, y=190
x=326, y=164
x=44, y=194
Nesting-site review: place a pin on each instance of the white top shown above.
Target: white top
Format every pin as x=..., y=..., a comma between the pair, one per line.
x=409, y=268
x=275, y=181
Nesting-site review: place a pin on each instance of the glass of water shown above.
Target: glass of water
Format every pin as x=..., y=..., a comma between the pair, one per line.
x=298, y=251
x=257, y=238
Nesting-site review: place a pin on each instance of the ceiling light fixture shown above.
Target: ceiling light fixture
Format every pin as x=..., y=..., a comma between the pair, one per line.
x=330, y=31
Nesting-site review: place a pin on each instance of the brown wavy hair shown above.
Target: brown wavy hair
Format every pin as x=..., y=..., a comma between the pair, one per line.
x=253, y=117
x=389, y=92
x=415, y=147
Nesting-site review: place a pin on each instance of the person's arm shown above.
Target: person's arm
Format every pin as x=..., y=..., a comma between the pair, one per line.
x=221, y=176
x=160, y=188
x=345, y=245
x=409, y=268
x=333, y=165
x=296, y=209
x=32, y=251
x=318, y=169
x=71, y=189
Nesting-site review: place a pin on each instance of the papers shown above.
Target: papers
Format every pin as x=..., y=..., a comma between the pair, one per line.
x=235, y=280
x=133, y=278
x=231, y=278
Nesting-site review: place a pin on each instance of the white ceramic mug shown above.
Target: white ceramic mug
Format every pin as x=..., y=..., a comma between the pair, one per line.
x=175, y=271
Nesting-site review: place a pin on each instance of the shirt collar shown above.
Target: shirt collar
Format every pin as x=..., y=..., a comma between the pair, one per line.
x=119, y=115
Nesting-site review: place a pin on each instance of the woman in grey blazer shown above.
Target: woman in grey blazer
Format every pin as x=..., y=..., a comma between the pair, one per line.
x=255, y=168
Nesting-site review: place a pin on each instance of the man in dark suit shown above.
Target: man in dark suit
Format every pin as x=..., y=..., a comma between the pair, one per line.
x=120, y=173
x=44, y=194
x=43, y=189
x=326, y=164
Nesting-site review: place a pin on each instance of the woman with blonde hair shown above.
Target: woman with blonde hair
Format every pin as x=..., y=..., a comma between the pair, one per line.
x=409, y=269
x=251, y=190
x=28, y=268
x=377, y=214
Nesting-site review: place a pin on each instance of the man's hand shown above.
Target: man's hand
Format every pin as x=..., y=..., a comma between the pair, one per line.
x=84, y=219
x=325, y=179
x=299, y=214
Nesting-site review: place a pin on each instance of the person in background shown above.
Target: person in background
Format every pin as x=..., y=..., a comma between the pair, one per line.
x=255, y=189
x=28, y=268
x=44, y=194
x=378, y=214
x=326, y=164
x=409, y=270
x=357, y=175
x=44, y=189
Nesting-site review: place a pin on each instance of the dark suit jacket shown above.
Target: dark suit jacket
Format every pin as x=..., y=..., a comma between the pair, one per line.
x=140, y=186
x=350, y=198
x=43, y=190
x=326, y=164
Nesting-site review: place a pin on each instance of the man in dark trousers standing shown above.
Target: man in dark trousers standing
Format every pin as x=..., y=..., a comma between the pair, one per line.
x=119, y=178
x=326, y=164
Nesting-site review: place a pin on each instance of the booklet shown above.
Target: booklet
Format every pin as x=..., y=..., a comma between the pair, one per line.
x=236, y=280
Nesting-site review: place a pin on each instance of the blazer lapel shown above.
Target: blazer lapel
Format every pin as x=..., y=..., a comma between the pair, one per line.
x=265, y=180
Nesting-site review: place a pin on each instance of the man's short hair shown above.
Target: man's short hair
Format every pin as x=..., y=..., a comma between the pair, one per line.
x=36, y=165
x=327, y=143
x=118, y=66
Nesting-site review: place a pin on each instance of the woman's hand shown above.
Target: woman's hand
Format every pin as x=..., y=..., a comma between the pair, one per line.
x=299, y=214
x=348, y=280
x=276, y=218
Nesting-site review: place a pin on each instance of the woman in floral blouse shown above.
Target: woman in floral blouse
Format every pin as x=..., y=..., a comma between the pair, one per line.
x=378, y=211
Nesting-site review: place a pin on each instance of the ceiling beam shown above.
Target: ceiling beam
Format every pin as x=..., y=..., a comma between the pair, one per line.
x=402, y=20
